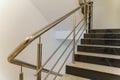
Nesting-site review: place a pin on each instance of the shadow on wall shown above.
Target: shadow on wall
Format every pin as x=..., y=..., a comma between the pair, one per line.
x=53, y=9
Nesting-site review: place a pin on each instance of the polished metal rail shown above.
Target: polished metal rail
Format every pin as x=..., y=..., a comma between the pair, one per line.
x=63, y=53
x=69, y=52
x=59, y=47
x=32, y=37
x=39, y=67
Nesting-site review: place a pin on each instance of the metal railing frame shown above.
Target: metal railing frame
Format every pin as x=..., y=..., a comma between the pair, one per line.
x=88, y=19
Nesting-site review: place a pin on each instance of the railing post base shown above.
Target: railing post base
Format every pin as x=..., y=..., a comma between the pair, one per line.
x=39, y=58
x=21, y=77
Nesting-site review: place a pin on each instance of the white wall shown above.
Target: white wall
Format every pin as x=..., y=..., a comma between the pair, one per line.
x=17, y=16
x=106, y=14
x=53, y=9
x=18, y=19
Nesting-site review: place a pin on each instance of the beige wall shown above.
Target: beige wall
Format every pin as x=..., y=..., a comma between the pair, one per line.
x=17, y=16
x=106, y=14
x=18, y=19
x=53, y=9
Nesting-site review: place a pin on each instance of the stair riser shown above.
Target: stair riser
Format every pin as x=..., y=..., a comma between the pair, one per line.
x=98, y=60
x=93, y=75
x=105, y=31
x=102, y=50
x=101, y=42
x=111, y=36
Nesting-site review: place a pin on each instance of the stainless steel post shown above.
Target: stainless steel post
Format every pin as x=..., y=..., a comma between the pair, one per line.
x=21, y=74
x=74, y=24
x=39, y=58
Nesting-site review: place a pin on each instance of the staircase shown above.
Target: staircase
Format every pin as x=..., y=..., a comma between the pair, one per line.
x=97, y=57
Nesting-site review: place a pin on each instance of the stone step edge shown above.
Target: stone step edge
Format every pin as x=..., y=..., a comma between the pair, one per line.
x=96, y=67
x=72, y=77
x=99, y=39
x=102, y=33
x=105, y=46
x=98, y=55
x=105, y=29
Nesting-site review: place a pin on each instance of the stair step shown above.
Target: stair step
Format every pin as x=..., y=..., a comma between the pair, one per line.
x=93, y=71
x=102, y=59
x=104, y=31
x=102, y=35
x=102, y=38
x=72, y=77
x=115, y=50
x=98, y=41
x=99, y=55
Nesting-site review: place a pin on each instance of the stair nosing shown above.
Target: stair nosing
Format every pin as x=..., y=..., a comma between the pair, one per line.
x=73, y=76
x=98, y=55
x=106, y=46
x=100, y=39
x=106, y=29
x=96, y=67
x=102, y=33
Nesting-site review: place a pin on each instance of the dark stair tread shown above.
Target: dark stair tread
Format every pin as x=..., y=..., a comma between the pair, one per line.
x=95, y=67
x=101, y=39
x=98, y=55
x=98, y=41
x=104, y=30
x=92, y=71
x=95, y=58
x=103, y=49
x=107, y=29
x=102, y=35
x=100, y=46
x=93, y=75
